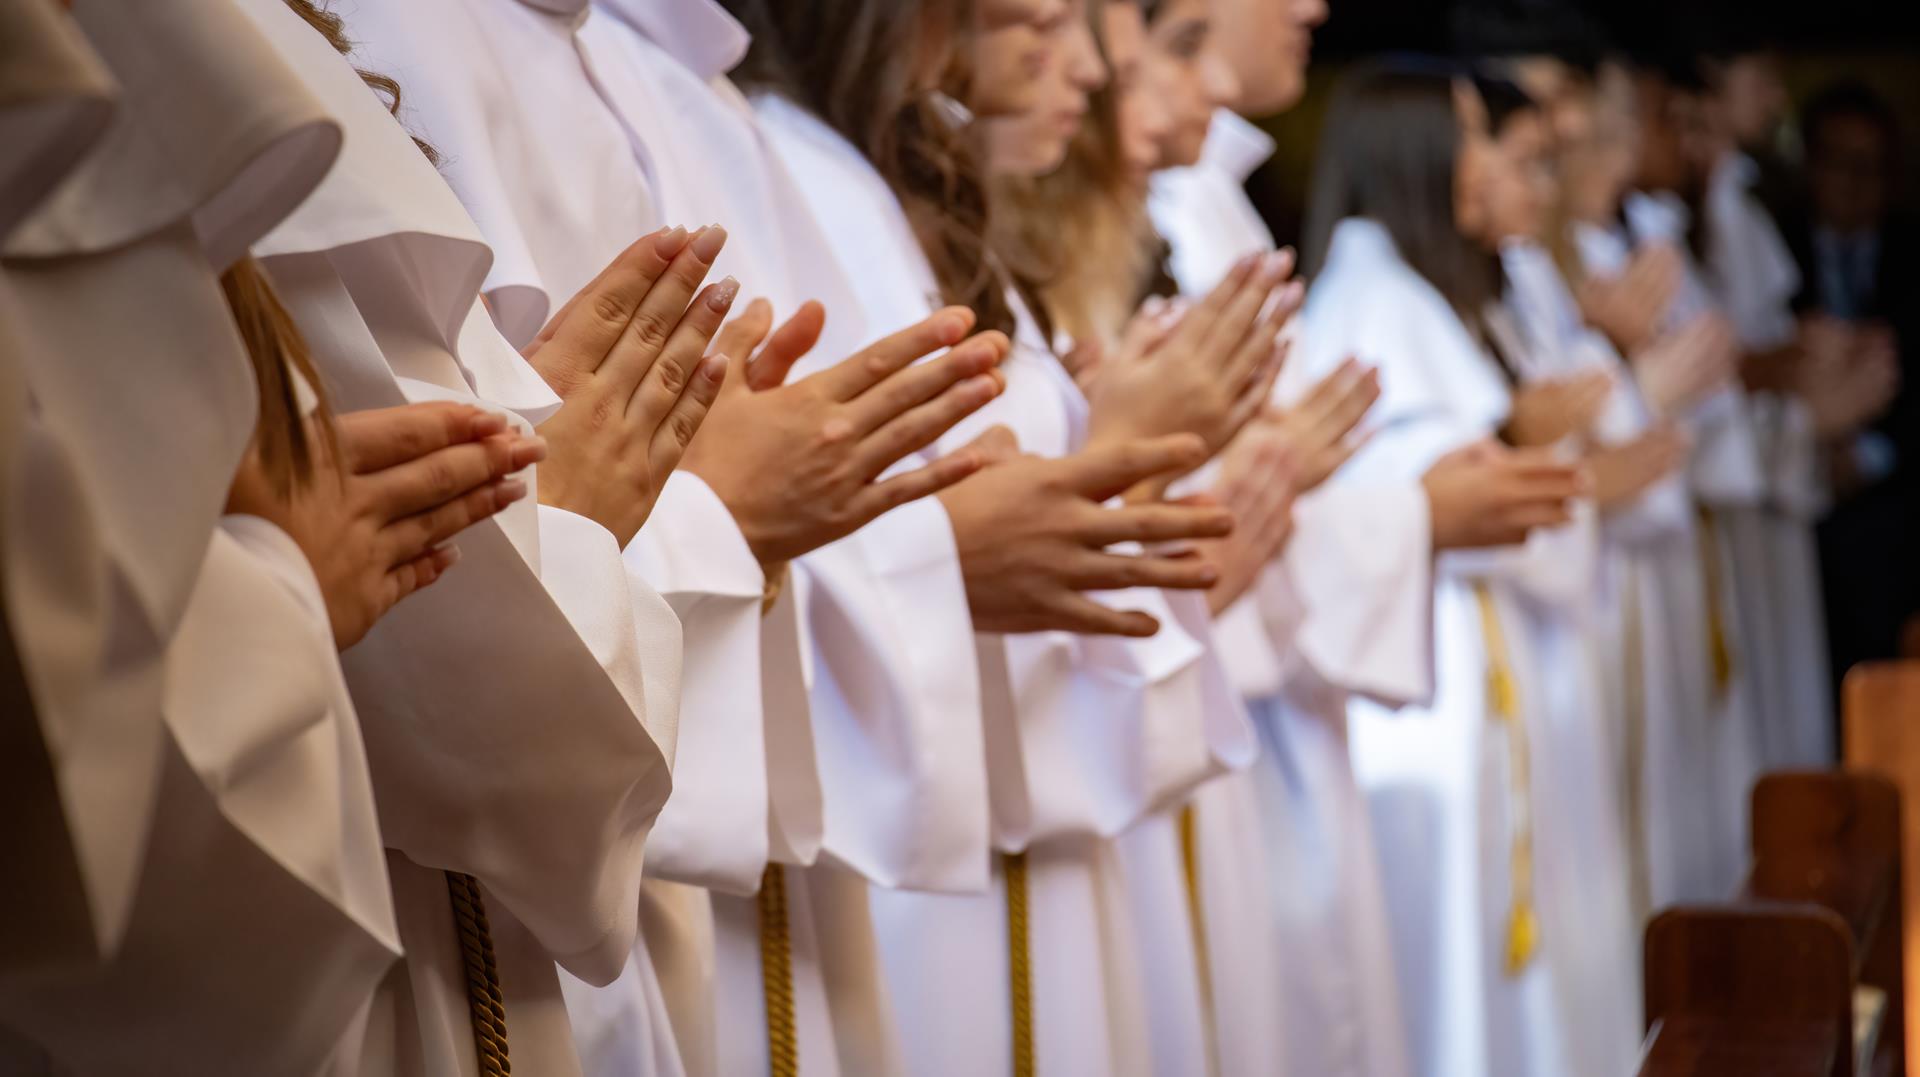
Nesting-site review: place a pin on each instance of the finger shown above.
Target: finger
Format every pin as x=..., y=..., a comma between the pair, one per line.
x=1083, y=616
x=743, y=335
x=591, y=323
x=1209, y=310
x=1359, y=397
x=658, y=313
x=381, y=438
x=1096, y=571
x=683, y=420
x=881, y=498
x=1222, y=337
x=1149, y=524
x=1262, y=344
x=415, y=535
x=420, y=573
x=437, y=478
x=672, y=375
x=881, y=360
x=1106, y=472
x=921, y=426
x=789, y=344
x=909, y=388
x=997, y=445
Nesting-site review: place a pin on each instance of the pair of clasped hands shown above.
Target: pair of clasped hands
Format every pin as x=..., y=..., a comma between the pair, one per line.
x=652, y=378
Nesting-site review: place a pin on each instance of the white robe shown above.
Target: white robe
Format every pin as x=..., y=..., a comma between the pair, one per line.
x=1438, y=777
x=1754, y=277
x=895, y=721
x=545, y=162
x=1729, y=482
x=1295, y=915
x=237, y=914
x=381, y=269
x=1652, y=638
x=1085, y=739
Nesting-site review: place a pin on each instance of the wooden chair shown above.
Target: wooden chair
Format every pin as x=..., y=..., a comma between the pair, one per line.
x=1795, y=976
x=1882, y=736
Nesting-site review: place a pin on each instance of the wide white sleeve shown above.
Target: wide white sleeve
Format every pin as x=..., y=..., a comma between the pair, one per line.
x=717, y=830
x=896, y=703
x=1361, y=562
x=263, y=918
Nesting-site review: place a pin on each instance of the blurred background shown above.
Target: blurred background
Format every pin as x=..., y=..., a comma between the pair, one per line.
x=1818, y=43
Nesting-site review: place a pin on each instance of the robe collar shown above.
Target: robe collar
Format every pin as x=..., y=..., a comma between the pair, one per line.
x=700, y=34
x=1235, y=146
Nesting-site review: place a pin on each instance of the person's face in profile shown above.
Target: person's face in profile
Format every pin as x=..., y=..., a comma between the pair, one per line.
x=1011, y=53
x=1035, y=142
x=1189, y=76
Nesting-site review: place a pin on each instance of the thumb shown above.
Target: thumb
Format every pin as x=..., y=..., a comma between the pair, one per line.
x=789, y=344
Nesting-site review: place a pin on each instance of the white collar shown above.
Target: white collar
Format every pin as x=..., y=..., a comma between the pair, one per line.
x=1235, y=146
x=700, y=34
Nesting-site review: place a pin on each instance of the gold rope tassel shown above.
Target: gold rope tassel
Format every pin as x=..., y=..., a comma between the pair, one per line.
x=1197, y=916
x=1019, y=963
x=776, y=975
x=1503, y=704
x=489, y=1010
x=1719, y=649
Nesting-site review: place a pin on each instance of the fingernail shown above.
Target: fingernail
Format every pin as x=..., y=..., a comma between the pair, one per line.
x=488, y=424
x=509, y=491
x=714, y=367
x=980, y=389
x=449, y=556
x=670, y=242
x=723, y=294
x=706, y=246
x=952, y=328
x=531, y=450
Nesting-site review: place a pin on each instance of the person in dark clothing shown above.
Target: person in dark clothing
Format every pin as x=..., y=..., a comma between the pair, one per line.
x=1860, y=264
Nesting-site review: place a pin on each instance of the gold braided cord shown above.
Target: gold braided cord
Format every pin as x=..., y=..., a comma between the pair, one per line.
x=1503, y=706
x=1197, y=922
x=488, y=1008
x=776, y=975
x=1019, y=963
x=1634, y=676
x=1719, y=647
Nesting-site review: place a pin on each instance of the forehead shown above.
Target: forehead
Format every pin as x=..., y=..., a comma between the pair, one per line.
x=998, y=14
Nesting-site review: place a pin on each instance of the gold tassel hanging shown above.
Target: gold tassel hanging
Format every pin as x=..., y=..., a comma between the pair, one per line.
x=1503, y=706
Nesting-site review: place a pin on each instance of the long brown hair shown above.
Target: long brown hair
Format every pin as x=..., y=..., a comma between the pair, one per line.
x=859, y=66
x=278, y=354
x=1390, y=154
x=334, y=29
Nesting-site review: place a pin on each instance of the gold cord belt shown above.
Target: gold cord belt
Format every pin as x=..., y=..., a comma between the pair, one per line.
x=483, y=975
x=1019, y=963
x=1197, y=916
x=1719, y=649
x=776, y=975
x=1503, y=705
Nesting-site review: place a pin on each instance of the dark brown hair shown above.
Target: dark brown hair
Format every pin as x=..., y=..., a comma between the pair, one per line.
x=856, y=64
x=278, y=354
x=1390, y=153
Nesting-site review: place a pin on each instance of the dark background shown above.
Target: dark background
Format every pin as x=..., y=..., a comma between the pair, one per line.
x=1818, y=41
